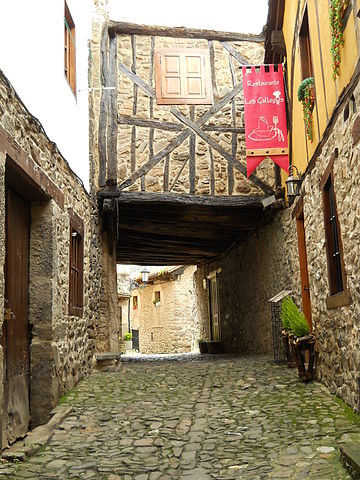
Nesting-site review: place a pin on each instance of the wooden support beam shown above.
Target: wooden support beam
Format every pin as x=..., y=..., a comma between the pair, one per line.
x=174, y=127
x=212, y=172
x=133, y=150
x=112, y=126
x=180, y=138
x=137, y=80
x=141, y=122
x=178, y=174
x=103, y=107
x=242, y=60
x=179, y=199
x=166, y=173
x=213, y=69
x=192, y=145
x=182, y=32
x=232, y=161
x=234, y=136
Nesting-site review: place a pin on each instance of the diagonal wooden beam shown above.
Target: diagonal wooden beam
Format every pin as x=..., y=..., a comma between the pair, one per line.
x=137, y=80
x=242, y=60
x=180, y=138
x=230, y=159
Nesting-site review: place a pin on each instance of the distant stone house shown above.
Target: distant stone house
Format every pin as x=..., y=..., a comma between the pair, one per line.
x=163, y=312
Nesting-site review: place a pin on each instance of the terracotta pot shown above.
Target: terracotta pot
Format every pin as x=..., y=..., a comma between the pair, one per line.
x=304, y=352
x=214, y=347
x=291, y=363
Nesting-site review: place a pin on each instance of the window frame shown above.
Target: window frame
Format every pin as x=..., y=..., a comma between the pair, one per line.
x=76, y=265
x=157, y=298
x=69, y=49
x=206, y=99
x=135, y=302
x=338, y=292
x=307, y=70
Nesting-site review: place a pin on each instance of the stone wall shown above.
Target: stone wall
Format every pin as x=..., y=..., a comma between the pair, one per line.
x=337, y=329
x=172, y=326
x=62, y=345
x=250, y=275
x=268, y=262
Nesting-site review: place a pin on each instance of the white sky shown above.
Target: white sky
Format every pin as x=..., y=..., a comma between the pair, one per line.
x=243, y=16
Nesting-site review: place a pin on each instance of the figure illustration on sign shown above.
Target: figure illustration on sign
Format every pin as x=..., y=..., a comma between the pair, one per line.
x=266, y=131
x=277, y=96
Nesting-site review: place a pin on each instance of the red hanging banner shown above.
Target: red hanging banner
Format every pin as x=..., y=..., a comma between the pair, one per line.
x=265, y=116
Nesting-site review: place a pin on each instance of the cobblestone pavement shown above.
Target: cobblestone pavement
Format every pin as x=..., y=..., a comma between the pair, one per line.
x=222, y=418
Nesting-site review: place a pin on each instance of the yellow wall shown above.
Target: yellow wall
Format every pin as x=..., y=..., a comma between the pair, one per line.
x=327, y=90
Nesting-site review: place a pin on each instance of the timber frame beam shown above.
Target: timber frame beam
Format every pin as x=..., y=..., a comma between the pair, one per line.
x=122, y=28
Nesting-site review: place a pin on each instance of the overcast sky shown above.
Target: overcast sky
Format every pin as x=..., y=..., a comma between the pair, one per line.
x=243, y=16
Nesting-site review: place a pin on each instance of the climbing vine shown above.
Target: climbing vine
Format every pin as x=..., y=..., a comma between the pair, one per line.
x=306, y=97
x=337, y=10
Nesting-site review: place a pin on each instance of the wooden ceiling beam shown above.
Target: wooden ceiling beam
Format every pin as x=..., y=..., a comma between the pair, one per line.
x=121, y=28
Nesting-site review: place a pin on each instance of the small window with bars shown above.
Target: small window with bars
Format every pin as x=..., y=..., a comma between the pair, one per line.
x=157, y=302
x=76, y=270
x=69, y=49
x=135, y=302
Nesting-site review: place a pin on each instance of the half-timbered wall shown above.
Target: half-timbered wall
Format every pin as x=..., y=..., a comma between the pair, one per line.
x=190, y=149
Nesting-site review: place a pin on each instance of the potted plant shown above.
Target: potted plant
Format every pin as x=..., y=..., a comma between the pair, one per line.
x=302, y=341
x=214, y=346
x=336, y=14
x=306, y=95
x=203, y=345
x=286, y=333
x=128, y=341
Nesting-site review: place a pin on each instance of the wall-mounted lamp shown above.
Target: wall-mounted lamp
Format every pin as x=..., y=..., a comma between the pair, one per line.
x=293, y=183
x=145, y=275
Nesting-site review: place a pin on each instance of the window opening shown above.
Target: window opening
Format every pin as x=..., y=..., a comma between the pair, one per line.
x=183, y=76
x=305, y=48
x=157, y=299
x=76, y=273
x=69, y=49
x=332, y=238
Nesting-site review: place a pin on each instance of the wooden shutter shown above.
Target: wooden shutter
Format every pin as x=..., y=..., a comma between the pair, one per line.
x=183, y=76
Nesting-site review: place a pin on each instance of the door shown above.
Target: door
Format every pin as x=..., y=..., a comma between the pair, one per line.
x=214, y=308
x=304, y=274
x=16, y=335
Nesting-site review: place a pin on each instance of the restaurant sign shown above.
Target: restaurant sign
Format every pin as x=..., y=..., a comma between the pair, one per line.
x=265, y=116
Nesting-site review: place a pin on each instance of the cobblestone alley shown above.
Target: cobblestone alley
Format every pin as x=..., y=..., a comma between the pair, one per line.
x=222, y=418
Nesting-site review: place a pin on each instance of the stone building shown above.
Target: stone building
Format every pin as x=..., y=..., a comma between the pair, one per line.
x=123, y=290
x=164, y=312
x=50, y=243
x=326, y=213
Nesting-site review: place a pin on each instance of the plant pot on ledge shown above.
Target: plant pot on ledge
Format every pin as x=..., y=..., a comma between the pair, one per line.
x=214, y=347
x=304, y=353
x=290, y=357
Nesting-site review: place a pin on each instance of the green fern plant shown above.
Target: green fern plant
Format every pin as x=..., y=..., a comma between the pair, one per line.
x=292, y=319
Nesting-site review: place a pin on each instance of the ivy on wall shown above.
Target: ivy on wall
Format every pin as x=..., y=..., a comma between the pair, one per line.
x=307, y=98
x=336, y=13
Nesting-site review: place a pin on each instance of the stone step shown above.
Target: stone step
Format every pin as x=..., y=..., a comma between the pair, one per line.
x=350, y=455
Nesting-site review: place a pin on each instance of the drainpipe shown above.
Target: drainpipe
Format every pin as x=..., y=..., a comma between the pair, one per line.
x=129, y=322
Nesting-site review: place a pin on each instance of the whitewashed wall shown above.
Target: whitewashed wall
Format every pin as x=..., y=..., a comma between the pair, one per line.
x=32, y=58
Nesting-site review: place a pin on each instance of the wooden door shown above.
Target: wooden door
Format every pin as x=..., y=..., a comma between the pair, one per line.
x=16, y=335
x=304, y=274
x=214, y=309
